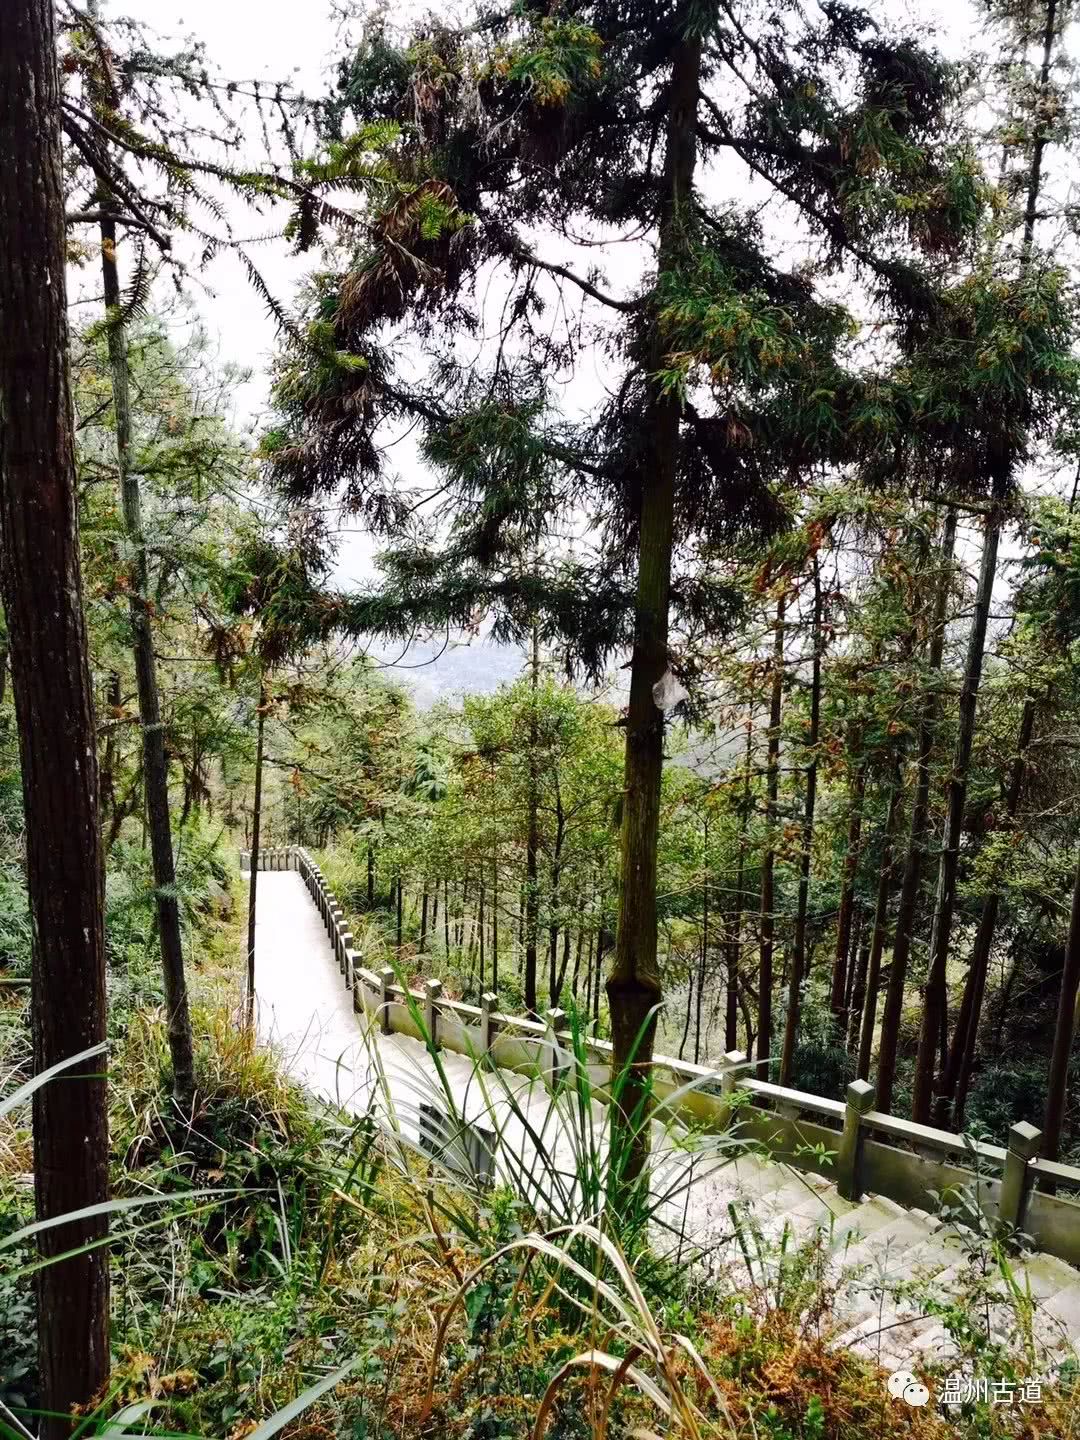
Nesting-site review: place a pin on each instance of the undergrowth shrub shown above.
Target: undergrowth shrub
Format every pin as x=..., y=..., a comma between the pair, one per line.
x=1004, y=1094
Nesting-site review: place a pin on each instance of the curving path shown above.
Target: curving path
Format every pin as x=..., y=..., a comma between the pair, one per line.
x=876, y=1248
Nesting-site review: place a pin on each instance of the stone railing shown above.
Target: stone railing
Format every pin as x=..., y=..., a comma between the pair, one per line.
x=861, y=1149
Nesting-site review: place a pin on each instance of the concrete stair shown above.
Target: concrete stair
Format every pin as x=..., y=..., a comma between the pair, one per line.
x=881, y=1259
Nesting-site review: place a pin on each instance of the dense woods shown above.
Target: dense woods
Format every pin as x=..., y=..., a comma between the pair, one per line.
x=719, y=367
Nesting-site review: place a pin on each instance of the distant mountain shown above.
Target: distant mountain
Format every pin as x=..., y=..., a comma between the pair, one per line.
x=474, y=667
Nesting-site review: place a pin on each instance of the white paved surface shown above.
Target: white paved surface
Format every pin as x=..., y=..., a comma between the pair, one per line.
x=874, y=1248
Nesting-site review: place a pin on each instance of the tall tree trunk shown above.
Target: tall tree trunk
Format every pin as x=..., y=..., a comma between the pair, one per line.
x=54, y=708
x=480, y=931
x=155, y=760
x=878, y=937
x=253, y=879
x=909, y=885
x=424, y=919
x=532, y=838
x=578, y=948
x=108, y=760
x=495, y=928
x=634, y=984
x=799, y=966
x=703, y=959
x=370, y=876
x=958, y=1066
x=768, y=860
x=859, y=964
x=446, y=916
x=957, y=1076
x=840, y=986
x=564, y=965
x=604, y=942
x=734, y=949
x=459, y=929
x=554, y=984
x=935, y=993
x=400, y=911
x=1057, y=1082
x=689, y=1012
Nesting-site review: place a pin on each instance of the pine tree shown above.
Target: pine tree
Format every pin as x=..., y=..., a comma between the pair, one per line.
x=42, y=592
x=730, y=378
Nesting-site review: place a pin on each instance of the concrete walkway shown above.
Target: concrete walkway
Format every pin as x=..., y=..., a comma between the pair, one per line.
x=874, y=1251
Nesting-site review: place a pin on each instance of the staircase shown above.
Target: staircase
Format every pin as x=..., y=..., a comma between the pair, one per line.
x=746, y=1215
x=885, y=1261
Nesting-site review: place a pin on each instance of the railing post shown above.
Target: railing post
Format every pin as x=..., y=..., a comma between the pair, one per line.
x=350, y=955
x=336, y=928
x=433, y=990
x=731, y=1068
x=488, y=1003
x=1024, y=1142
x=556, y=1068
x=386, y=979
x=860, y=1099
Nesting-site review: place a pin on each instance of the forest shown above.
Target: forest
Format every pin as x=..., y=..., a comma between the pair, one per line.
x=716, y=369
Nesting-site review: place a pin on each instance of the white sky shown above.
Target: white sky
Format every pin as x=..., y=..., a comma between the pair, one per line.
x=280, y=40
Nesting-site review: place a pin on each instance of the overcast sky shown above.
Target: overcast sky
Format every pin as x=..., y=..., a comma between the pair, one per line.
x=274, y=40
x=280, y=39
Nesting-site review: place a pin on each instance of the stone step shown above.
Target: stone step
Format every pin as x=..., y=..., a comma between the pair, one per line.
x=1064, y=1308
x=893, y=1334
x=824, y=1205
x=885, y=1247
x=1046, y=1275
x=928, y=1260
x=755, y=1179
x=935, y=1346
x=863, y=1220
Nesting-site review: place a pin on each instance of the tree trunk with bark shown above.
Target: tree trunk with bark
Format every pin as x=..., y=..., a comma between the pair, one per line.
x=634, y=985
x=768, y=860
x=935, y=993
x=1057, y=1082
x=878, y=937
x=554, y=980
x=799, y=965
x=253, y=879
x=495, y=929
x=703, y=959
x=859, y=965
x=155, y=759
x=532, y=840
x=54, y=707
x=909, y=885
x=734, y=944
x=957, y=1078
x=840, y=978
